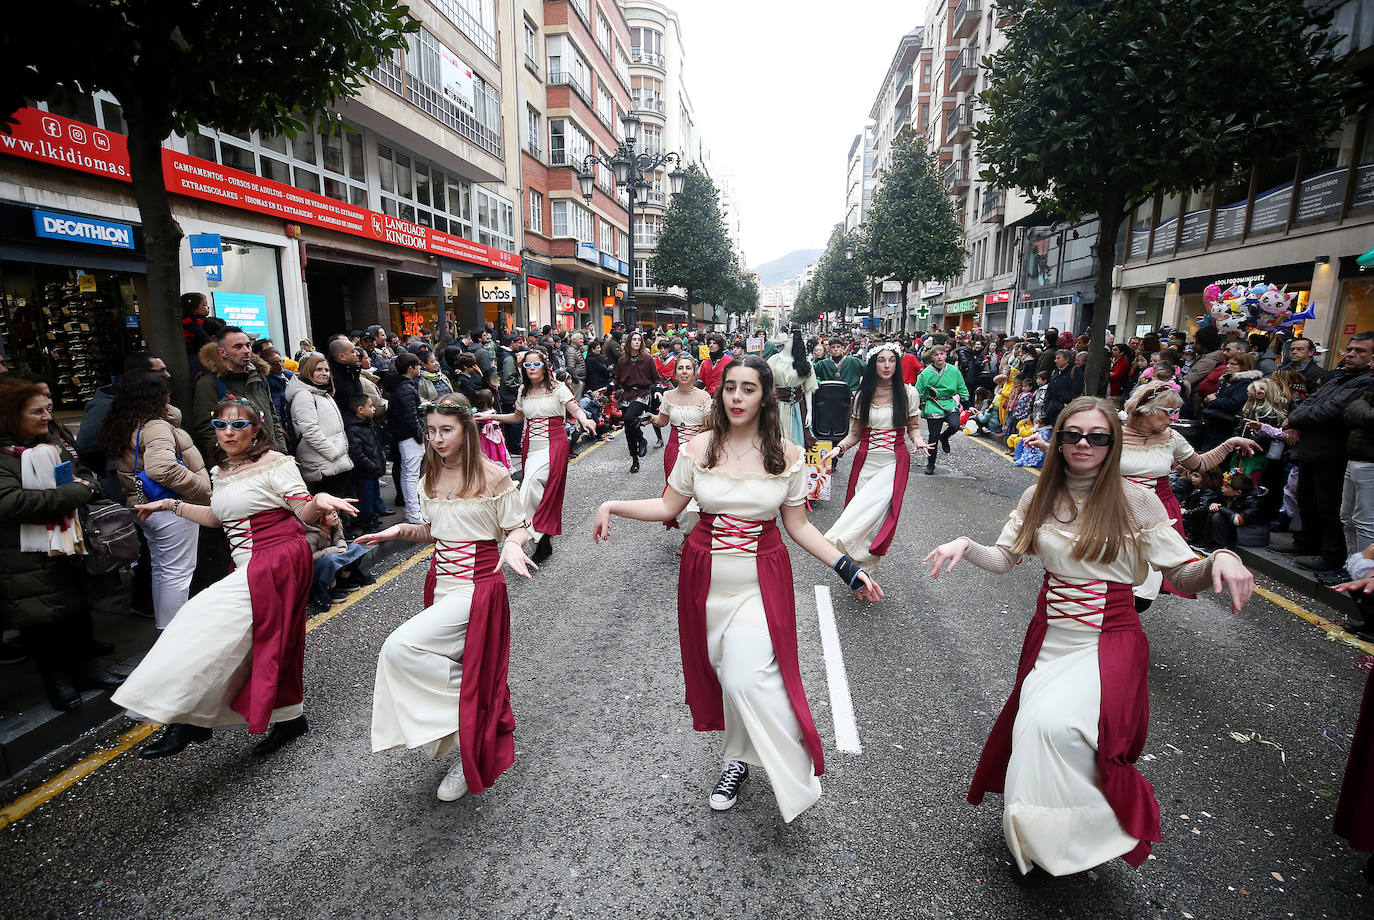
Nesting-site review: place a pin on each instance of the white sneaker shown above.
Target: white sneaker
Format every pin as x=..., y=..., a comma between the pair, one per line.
x=732, y=776
x=454, y=785
x=414, y=520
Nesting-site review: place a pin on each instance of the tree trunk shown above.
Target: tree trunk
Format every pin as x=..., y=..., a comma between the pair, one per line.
x=1109, y=218
x=905, y=285
x=160, y=316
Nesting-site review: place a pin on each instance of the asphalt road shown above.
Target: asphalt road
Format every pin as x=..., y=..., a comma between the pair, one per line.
x=604, y=812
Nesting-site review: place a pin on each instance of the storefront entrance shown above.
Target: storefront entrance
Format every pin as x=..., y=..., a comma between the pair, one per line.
x=415, y=303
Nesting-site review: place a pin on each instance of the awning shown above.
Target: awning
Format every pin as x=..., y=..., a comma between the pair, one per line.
x=670, y=311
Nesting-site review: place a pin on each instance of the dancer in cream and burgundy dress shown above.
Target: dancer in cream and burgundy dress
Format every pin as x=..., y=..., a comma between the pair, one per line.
x=1063, y=749
x=886, y=413
x=441, y=676
x=685, y=408
x=544, y=405
x=235, y=652
x=736, y=612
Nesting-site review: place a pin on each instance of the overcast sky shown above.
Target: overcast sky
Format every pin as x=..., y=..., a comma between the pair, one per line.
x=779, y=94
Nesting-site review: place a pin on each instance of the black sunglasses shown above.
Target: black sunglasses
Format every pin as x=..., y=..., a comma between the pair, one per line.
x=1095, y=439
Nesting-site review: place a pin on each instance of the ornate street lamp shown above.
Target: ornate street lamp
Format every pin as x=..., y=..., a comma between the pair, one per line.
x=628, y=169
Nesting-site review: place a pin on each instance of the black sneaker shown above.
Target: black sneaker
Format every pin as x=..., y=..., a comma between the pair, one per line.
x=732, y=776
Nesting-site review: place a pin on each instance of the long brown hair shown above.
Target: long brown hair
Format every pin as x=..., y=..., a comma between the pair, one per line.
x=1106, y=516
x=770, y=420
x=247, y=410
x=472, y=480
x=525, y=382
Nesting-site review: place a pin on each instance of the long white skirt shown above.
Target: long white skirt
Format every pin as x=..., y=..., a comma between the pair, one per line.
x=854, y=530
x=420, y=673
x=534, y=477
x=1055, y=814
x=760, y=726
x=200, y=661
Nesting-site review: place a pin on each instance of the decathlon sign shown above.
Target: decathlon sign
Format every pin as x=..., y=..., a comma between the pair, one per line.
x=53, y=226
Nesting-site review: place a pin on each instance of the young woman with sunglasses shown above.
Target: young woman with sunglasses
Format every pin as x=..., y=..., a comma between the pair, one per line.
x=886, y=413
x=543, y=404
x=736, y=611
x=441, y=676
x=686, y=408
x=235, y=652
x=1063, y=749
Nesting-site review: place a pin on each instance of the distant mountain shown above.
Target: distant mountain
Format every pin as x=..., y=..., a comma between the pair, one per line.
x=787, y=267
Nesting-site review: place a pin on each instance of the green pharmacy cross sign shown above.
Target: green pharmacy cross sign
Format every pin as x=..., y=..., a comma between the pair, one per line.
x=923, y=311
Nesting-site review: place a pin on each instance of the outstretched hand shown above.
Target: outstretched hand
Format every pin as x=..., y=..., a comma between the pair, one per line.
x=1363, y=585
x=326, y=502
x=1230, y=574
x=601, y=526
x=947, y=555
x=870, y=591
x=371, y=539
x=513, y=556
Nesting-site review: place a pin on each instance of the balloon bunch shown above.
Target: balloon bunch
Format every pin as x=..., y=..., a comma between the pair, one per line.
x=1264, y=307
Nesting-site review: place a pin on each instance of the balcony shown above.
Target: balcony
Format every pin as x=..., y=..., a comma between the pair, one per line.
x=959, y=124
x=654, y=59
x=646, y=102
x=904, y=87
x=994, y=206
x=533, y=150
x=956, y=176
x=564, y=78
x=963, y=70
x=966, y=16
x=900, y=118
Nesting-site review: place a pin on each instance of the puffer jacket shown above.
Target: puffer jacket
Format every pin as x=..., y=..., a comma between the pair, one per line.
x=35, y=588
x=1220, y=414
x=403, y=409
x=216, y=383
x=576, y=363
x=323, y=447
x=365, y=447
x=162, y=441
x=1319, y=419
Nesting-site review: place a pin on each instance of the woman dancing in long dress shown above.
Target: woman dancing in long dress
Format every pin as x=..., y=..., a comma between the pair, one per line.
x=686, y=408
x=1063, y=749
x=441, y=675
x=235, y=652
x=886, y=412
x=796, y=380
x=543, y=404
x=736, y=612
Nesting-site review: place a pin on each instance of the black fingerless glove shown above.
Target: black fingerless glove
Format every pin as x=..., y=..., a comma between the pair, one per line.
x=849, y=572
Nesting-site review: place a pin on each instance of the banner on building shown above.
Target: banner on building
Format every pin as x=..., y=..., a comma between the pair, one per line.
x=455, y=79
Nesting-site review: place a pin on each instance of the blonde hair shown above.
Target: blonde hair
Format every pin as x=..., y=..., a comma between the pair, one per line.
x=1106, y=516
x=1266, y=397
x=308, y=367
x=1150, y=398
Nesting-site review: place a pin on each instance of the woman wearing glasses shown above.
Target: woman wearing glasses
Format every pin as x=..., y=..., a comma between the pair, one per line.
x=686, y=408
x=441, y=676
x=235, y=652
x=543, y=404
x=1063, y=749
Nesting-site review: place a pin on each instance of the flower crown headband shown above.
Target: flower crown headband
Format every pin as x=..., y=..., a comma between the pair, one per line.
x=447, y=403
x=888, y=346
x=241, y=402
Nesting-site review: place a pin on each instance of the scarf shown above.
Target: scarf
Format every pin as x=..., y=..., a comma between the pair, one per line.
x=60, y=536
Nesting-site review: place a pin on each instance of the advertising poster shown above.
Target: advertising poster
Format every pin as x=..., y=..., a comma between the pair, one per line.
x=819, y=472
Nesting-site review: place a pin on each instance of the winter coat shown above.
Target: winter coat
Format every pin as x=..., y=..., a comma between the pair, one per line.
x=1244, y=509
x=374, y=392
x=347, y=381
x=1202, y=368
x=1221, y=413
x=1359, y=418
x=163, y=441
x=322, y=449
x=598, y=372
x=508, y=373
x=576, y=363
x=1312, y=372
x=35, y=588
x=1062, y=390
x=216, y=383
x=277, y=383
x=1195, y=512
x=365, y=447
x=403, y=407
x=1319, y=419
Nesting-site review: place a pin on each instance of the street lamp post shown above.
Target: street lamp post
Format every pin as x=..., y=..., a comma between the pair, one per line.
x=628, y=168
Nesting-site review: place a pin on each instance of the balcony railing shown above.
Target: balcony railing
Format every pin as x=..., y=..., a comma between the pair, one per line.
x=900, y=118
x=643, y=102
x=994, y=206
x=531, y=65
x=470, y=27
x=956, y=175
x=966, y=16
x=904, y=84
x=564, y=78
x=533, y=149
x=959, y=123
x=964, y=68
x=391, y=74
x=651, y=58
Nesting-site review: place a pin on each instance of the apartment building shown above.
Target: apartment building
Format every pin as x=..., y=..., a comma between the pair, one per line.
x=576, y=85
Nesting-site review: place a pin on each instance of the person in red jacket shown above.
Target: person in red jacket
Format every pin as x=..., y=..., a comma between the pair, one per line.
x=713, y=366
x=665, y=362
x=1120, y=372
x=911, y=364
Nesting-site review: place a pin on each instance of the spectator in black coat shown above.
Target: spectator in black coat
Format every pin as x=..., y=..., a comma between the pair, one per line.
x=1239, y=505
x=369, y=461
x=346, y=372
x=1206, y=491
x=1221, y=410
x=1064, y=387
x=407, y=430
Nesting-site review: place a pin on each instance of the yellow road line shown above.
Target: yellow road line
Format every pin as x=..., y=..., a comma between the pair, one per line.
x=1334, y=630
x=88, y=765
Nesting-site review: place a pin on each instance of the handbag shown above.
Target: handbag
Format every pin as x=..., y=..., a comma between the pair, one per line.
x=110, y=531
x=152, y=489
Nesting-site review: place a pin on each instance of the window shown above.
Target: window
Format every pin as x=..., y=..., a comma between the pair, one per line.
x=417, y=191
x=605, y=105
x=925, y=75
x=650, y=139
x=536, y=211
x=568, y=144
x=571, y=219
x=642, y=277
x=478, y=119
x=495, y=219
x=532, y=130
x=646, y=93
x=568, y=67
x=531, y=47
x=603, y=32
x=622, y=63
x=582, y=10
x=607, y=236
x=646, y=46
x=646, y=230
x=474, y=18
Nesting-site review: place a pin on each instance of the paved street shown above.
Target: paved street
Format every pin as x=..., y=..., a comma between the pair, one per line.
x=604, y=812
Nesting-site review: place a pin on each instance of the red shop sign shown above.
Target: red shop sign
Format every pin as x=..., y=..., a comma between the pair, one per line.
x=60, y=141
x=563, y=297
x=997, y=297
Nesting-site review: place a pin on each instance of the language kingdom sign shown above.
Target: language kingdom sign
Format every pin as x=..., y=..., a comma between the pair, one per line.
x=60, y=141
